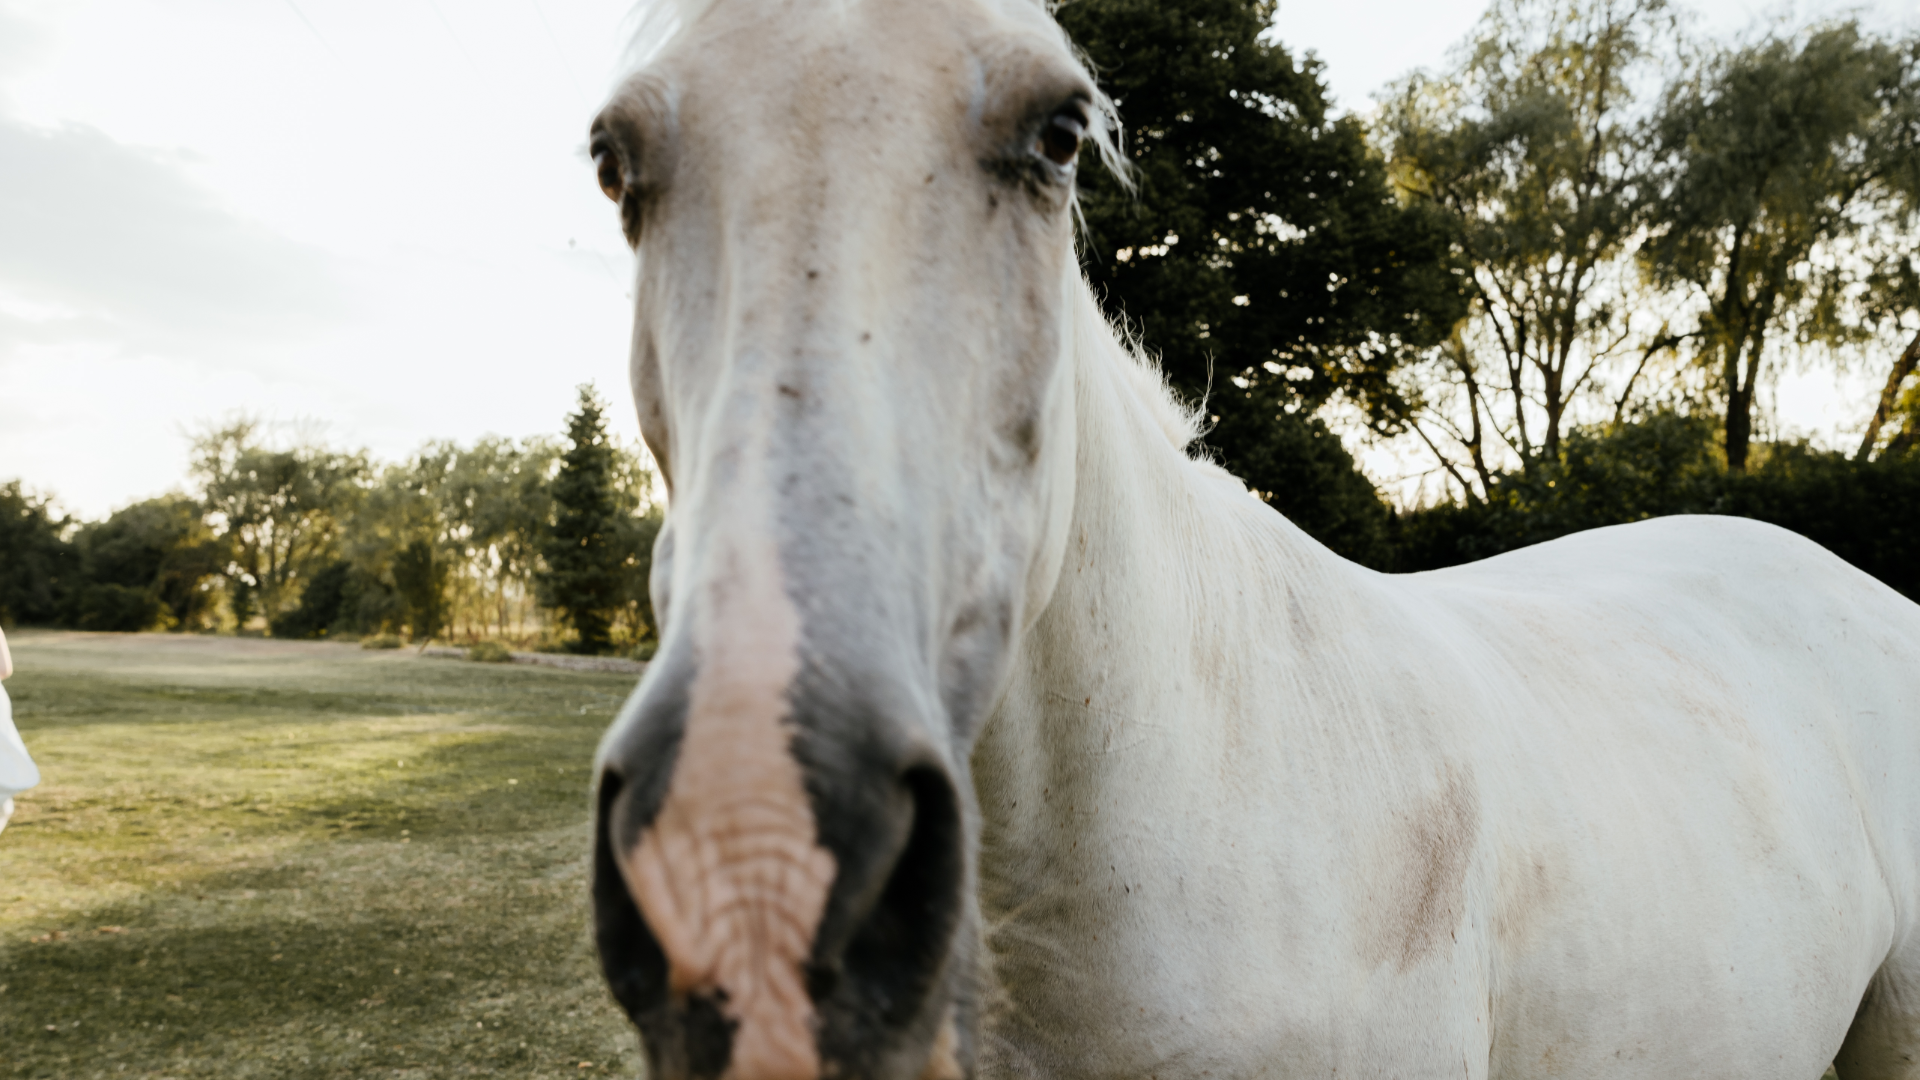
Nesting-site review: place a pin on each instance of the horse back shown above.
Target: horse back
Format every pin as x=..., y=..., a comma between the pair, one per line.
x=1697, y=748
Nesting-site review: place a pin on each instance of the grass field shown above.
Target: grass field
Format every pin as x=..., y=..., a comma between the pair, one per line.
x=272, y=859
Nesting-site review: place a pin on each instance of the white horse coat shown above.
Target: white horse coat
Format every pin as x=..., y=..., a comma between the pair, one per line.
x=1637, y=803
x=991, y=735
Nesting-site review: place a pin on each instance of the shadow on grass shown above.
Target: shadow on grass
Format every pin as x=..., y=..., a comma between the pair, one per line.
x=88, y=697
x=300, y=998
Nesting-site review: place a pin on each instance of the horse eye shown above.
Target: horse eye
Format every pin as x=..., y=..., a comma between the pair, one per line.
x=1060, y=138
x=607, y=164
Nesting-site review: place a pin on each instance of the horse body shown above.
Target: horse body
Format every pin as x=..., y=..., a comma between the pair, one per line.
x=991, y=734
x=1633, y=803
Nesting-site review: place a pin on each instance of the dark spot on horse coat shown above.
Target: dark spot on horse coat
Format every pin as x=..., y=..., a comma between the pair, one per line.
x=1419, y=893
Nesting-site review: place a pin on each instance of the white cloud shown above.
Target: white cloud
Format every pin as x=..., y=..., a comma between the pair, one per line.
x=118, y=243
x=393, y=233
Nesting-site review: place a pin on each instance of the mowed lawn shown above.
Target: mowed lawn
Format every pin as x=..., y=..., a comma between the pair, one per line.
x=276, y=859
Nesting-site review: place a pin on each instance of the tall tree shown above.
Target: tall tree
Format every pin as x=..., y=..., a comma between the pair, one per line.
x=281, y=510
x=1771, y=160
x=37, y=563
x=397, y=542
x=582, y=576
x=641, y=518
x=420, y=573
x=1893, y=296
x=144, y=568
x=1261, y=253
x=1899, y=285
x=498, y=506
x=1530, y=150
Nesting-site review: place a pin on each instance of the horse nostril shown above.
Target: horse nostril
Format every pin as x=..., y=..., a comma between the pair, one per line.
x=875, y=970
x=897, y=952
x=630, y=955
x=688, y=1036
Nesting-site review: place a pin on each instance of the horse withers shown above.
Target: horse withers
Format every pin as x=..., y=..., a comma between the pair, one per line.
x=991, y=734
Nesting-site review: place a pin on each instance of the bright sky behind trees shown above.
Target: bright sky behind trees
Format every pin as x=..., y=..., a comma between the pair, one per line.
x=373, y=215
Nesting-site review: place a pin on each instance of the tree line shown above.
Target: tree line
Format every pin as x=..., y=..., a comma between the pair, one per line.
x=1559, y=274
x=537, y=542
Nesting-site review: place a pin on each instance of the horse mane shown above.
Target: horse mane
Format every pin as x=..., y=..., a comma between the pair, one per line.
x=1119, y=350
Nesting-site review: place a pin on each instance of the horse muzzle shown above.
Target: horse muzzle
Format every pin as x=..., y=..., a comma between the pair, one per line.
x=778, y=880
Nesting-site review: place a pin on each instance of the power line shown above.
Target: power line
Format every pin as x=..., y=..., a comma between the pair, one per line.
x=314, y=30
x=559, y=53
x=485, y=83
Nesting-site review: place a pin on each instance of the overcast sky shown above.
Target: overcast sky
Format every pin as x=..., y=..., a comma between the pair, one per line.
x=375, y=215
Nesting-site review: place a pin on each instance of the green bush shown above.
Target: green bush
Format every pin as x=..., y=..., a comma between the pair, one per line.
x=1663, y=464
x=119, y=608
x=1866, y=512
x=36, y=561
x=489, y=652
x=321, y=604
x=380, y=641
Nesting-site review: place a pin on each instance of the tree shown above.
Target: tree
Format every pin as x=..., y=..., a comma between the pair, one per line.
x=1529, y=149
x=1772, y=159
x=146, y=568
x=582, y=577
x=1261, y=253
x=497, y=504
x=420, y=577
x=1892, y=299
x=281, y=510
x=1312, y=479
x=1893, y=402
x=325, y=604
x=36, y=561
x=395, y=542
x=641, y=518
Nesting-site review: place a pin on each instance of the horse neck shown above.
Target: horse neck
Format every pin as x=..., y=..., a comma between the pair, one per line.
x=1170, y=560
x=1166, y=700
x=1161, y=757
x=1179, y=596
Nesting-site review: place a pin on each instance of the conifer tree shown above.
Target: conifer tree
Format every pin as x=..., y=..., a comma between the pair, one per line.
x=582, y=577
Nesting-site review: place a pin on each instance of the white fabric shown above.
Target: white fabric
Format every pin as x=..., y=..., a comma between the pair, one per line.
x=17, y=771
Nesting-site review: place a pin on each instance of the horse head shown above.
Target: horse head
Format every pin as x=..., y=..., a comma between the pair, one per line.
x=854, y=221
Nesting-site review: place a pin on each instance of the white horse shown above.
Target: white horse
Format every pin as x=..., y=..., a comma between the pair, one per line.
x=991, y=734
